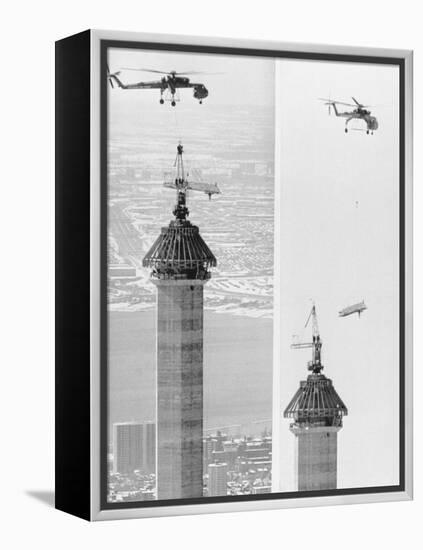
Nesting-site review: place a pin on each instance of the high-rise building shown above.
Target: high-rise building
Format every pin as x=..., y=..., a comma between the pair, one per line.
x=149, y=447
x=127, y=447
x=261, y=489
x=180, y=262
x=229, y=456
x=218, y=478
x=218, y=441
x=317, y=412
x=207, y=452
x=230, y=445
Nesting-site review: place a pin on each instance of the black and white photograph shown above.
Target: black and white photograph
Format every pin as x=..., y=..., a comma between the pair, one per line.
x=211, y=222
x=253, y=277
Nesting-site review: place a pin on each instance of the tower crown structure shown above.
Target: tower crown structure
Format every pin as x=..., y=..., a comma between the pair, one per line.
x=316, y=402
x=179, y=252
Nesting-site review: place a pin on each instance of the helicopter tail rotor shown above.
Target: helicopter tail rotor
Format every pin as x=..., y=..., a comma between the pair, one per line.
x=111, y=76
x=328, y=102
x=330, y=106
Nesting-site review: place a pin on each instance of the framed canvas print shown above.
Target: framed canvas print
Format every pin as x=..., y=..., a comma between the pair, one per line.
x=233, y=275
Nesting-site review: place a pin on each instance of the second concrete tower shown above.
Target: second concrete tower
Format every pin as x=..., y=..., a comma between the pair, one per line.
x=317, y=412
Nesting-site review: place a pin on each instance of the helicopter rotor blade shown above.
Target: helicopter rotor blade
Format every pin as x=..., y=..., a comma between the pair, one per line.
x=143, y=70
x=176, y=73
x=182, y=73
x=193, y=72
x=360, y=104
x=334, y=102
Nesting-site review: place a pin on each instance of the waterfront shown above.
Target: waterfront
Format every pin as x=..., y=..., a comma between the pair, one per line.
x=237, y=368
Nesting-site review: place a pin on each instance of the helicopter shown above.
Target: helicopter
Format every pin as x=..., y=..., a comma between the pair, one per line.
x=360, y=112
x=168, y=84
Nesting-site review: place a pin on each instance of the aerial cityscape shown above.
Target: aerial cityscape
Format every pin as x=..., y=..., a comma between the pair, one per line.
x=237, y=226
x=191, y=262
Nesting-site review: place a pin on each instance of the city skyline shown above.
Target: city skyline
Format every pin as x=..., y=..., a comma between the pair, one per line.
x=247, y=460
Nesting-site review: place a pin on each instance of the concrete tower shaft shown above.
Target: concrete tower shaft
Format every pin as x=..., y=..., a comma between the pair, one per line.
x=179, y=388
x=316, y=458
x=180, y=261
x=317, y=412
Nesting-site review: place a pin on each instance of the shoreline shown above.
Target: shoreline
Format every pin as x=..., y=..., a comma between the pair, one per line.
x=238, y=356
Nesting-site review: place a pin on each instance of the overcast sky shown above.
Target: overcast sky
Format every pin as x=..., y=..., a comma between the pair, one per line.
x=339, y=245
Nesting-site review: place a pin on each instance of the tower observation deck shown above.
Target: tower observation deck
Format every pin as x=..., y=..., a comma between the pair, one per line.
x=180, y=261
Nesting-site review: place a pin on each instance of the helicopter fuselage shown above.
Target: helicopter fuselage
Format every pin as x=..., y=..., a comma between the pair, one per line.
x=169, y=83
x=173, y=82
x=360, y=114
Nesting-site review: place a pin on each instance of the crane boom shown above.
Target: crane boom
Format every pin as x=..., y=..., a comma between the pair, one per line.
x=302, y=345
x=313, y=317
x=207, y=188
x=315, y=364
x=181, y=183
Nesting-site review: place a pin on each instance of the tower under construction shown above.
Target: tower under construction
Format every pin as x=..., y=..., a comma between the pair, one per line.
x=180, y=261
x=317, y=411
